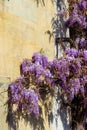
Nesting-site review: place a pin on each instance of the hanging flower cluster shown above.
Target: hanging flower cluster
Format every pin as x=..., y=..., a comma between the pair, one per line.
x=69, y=72
x=25, y=100
x=34, y=73
x=40, y=76
x=37, y=69
x=77, y=23
x=77, y=14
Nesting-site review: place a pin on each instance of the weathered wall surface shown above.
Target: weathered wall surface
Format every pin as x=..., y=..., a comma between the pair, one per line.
x=3, y=98
x=22, y=32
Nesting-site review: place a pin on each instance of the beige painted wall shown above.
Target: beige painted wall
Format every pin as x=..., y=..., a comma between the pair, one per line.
x=3, y=98
x=22, y=32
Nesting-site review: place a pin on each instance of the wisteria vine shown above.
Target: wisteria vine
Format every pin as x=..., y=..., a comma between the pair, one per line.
x=70, y=72
x=40, y=75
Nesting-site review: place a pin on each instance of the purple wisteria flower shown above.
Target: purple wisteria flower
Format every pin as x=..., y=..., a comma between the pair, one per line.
x=85, y=54
x=75, y=84
x=31, y=99
x=82, y=4
x=72, y=52
x=69, y=73
x=40, y=59
x=23, y=98
x=83, y=42
x=78, y=16
x=15, y=89
x=25, y=66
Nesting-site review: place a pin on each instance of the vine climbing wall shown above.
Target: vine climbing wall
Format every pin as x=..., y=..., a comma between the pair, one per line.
x=25, y=28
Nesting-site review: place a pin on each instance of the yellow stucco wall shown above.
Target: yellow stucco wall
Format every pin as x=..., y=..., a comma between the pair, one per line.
x=4, y=81
x=22, y=32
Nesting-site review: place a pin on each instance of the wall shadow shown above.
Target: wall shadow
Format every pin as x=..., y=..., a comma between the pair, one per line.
x=58, y=24
x=36, y=123
x=59, y=116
